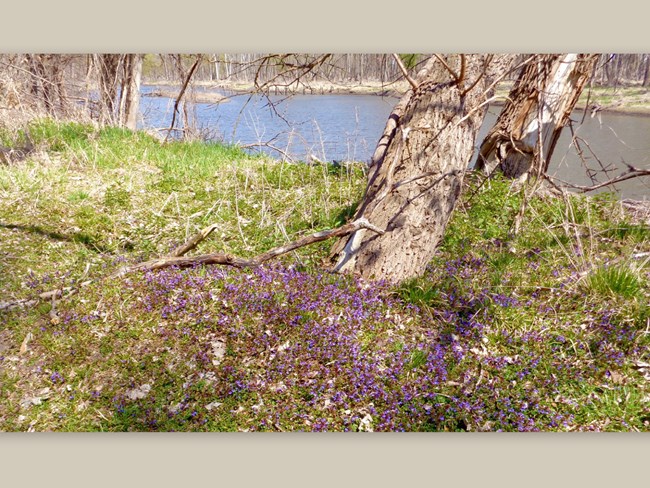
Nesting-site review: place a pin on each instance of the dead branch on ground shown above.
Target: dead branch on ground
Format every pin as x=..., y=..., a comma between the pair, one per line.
x=176, y=259
x=239, y=262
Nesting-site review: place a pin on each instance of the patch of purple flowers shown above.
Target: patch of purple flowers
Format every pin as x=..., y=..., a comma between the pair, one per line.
x=332, y=352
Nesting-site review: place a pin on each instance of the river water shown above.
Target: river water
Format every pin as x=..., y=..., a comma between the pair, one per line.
x=347, y=127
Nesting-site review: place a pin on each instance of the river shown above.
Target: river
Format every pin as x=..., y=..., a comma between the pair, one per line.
x=347, y=127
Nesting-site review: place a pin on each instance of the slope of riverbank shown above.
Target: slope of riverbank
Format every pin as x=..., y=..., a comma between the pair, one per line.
x=546, y=331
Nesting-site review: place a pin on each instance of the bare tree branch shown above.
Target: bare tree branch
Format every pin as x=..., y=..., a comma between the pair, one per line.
x=461, y=76
x=453, y=74
x=488, y=59
x=180, y=95
x=405, y=72
x=631, y=173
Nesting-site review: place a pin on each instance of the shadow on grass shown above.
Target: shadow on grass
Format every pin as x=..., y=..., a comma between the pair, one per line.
x=79, y=237
x=347, y=213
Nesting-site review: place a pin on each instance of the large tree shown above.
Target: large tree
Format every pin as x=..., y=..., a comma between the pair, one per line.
x=417, y=169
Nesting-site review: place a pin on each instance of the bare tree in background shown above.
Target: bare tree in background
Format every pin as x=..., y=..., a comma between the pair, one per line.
x=130, y=93
x=118, y=85
x=185, y=77
x=106, y=68
x=46, y=83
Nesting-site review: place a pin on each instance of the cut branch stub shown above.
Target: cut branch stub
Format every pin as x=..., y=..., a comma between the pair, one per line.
x=193, y=242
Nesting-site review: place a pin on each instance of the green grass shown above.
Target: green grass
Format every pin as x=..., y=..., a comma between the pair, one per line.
x=551, y=277
x=618, y=280
x=113, y=190
x=620, y=97
x=555, y=316
x=635, y=232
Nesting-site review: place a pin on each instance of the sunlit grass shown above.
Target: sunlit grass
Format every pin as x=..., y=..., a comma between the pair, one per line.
x=543, y=330
x=618, y=280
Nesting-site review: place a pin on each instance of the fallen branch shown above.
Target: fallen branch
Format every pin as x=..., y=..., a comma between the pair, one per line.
x=52, y=295
x=238, y=262
x=176, y=259
x=68, y=291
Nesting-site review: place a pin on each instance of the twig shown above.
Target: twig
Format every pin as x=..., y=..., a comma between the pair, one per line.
x=193, y=242
x=479, y=107
x=404, y=71
x=286, y=155
x=632, y=173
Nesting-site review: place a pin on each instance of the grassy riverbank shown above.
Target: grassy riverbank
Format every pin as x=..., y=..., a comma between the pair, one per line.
x=545, y=332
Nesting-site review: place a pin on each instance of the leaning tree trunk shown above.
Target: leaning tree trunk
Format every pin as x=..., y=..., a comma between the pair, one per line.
x=418, y=167
x=538, y=107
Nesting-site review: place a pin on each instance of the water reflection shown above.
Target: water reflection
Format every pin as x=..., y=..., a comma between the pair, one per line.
x=605, y=142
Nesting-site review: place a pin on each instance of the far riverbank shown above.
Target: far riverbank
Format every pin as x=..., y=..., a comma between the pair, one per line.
x=627, y=99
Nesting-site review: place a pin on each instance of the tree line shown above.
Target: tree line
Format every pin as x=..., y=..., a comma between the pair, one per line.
x=105, y=86
x=610, y=69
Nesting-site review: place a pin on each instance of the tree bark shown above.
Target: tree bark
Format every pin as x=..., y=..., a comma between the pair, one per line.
x=417, y=169
x=538, y=107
